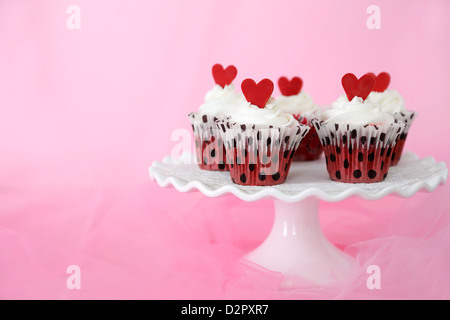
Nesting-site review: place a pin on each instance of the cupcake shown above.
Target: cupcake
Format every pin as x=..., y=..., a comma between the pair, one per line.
x=260, y=139
x=219, y=102
x=392, y=102
x=300, y=104
x=357, y=136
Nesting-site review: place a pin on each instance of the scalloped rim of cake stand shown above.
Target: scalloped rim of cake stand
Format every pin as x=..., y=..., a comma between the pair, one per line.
x=437, y=174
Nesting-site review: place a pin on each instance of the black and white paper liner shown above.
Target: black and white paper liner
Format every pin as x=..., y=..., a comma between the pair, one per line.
x=408, y=118
x=306, y=117
x=260, y=155
x=358, y=153
x=209, y=147
x=310, y=148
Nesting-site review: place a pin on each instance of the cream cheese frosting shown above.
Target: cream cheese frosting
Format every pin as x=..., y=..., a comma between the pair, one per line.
x=296, y=104
x=221, y=101
x=357, y=111
x=389, y=100
x=270, y=115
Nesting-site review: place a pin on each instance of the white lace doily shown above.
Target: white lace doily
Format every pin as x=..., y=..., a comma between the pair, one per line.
x=305, y=179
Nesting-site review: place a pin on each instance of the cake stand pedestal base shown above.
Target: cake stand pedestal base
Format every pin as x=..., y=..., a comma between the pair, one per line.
x=296, y=246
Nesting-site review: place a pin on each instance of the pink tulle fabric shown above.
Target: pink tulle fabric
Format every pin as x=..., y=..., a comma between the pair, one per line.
x=129, y=245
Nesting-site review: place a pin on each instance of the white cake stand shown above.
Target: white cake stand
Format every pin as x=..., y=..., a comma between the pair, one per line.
x=296, y=245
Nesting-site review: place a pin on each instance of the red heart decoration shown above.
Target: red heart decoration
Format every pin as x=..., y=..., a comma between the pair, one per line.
x=355, y=87
x=381, y=81
x=257, y=94
x=223, y=77
x=290, y=88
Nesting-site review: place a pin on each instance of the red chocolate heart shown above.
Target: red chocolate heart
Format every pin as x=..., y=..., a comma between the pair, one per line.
x=290, y=88
x=381, y=81
x=355, y=87
x=257, y=94
x=223, y=77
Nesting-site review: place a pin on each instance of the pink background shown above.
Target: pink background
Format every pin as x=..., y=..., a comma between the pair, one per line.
x=83, y=113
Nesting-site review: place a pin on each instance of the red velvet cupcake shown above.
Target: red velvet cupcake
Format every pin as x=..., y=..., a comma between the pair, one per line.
x=300, y=104
x=358, y=138
x=391, y=101
x=219, y=103
x=260, y=139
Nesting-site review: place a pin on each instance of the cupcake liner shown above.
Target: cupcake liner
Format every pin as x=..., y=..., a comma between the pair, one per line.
x=209, y=147
x=260, y=156
x=310, y=148
x=355, y=153
x=408, y=118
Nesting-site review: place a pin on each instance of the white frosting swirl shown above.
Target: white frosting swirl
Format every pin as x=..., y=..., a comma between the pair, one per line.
x=297, y=104
x=389, y=100
x=356, y=111
x=270, y=115
x=221, y=101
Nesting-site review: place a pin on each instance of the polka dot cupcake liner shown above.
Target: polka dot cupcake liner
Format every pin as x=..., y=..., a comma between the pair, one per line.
x=358, y=154
x=408, y=118
x=260, y=156
x=209, y=146
x=310, y=148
